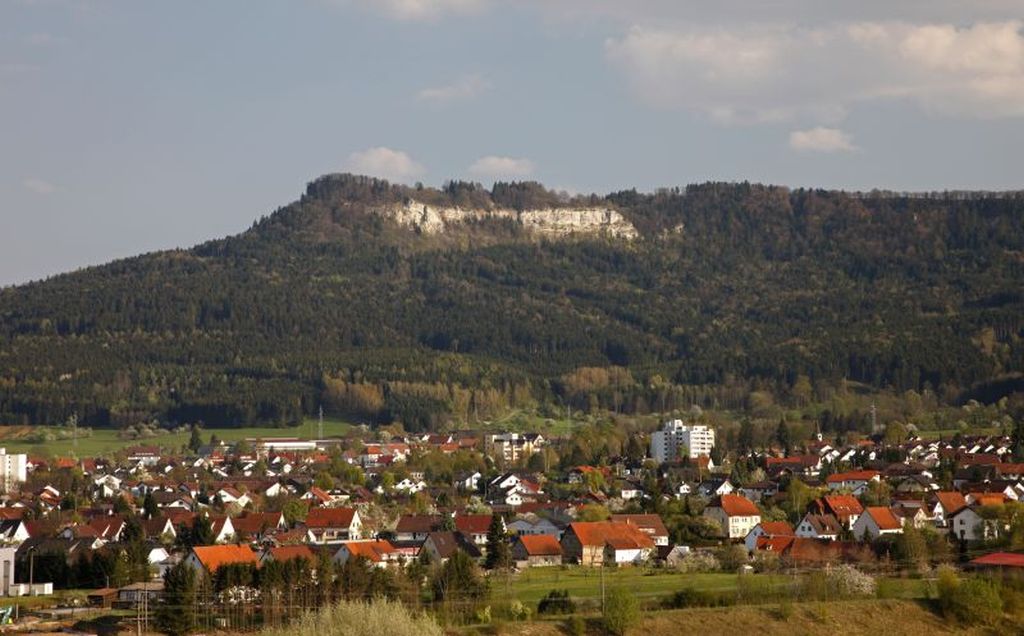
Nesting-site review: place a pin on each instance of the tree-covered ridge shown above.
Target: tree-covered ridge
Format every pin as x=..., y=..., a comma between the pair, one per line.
x=731, y=286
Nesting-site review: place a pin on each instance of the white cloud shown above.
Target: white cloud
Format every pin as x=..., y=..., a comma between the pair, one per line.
x=501, y=167
x=466, y=87
x=393, y=165
x=785, y=73
x=821, y=139
x=423, y=9
x=39, y=186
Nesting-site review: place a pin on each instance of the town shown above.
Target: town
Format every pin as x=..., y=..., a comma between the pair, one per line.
x=220, y=535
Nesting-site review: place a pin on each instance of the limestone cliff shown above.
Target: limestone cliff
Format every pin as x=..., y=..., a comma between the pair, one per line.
x=556, y=221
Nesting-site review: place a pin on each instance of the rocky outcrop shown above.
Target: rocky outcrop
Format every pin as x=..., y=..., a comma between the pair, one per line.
x=558, y=222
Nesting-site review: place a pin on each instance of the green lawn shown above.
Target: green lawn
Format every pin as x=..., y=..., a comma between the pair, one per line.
x=585, y=583
x=950, y=432
x=104, y=441
x=533, y=584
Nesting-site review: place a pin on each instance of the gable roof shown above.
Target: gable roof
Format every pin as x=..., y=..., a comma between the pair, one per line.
x=853, y=475
x=883, y=517
x=649, y=523
x=374, y=551
x=540, y=545
x=951, y=501
x=330, y=517
x=214, y=556
x=473, y=524
x=738, y=506
x=842, y=505
x=777, y=528
x=291, y=552
x=618, y=534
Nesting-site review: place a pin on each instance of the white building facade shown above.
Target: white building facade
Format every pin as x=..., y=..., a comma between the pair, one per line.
x=13, y=470
x=674, y=435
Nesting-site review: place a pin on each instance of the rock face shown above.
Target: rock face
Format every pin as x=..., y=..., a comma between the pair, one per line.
x=558, y=222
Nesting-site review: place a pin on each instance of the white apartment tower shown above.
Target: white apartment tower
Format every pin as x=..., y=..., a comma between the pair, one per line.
x=13, y=471
x=665, y=444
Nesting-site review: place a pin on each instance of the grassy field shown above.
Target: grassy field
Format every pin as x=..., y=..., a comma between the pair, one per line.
x=106, y=441
x=849, y=618
x=584, y=584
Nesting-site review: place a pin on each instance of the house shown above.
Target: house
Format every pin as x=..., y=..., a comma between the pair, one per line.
x=536, y=550
x=223, y=529
x=736, y=515
x=856, y=481
x=442, y=545
x=416, y=527
x=946, y=503
x=845, y=508
x=967, y=524
x=530, y=523
x=468, y=481
x=475, y=527
x=230, y=495
x=333, y=525
x=875, y=522
x=767, y=529
x=135, y=594
x=649, y=524
x=256, y=525
x=285, y=553
x=716, y=487
x=378, y=552
x=816, y=526
x=209, y=558
x=594, y=543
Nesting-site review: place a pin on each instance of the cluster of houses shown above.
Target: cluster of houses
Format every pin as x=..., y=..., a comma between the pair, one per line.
x=230, y=490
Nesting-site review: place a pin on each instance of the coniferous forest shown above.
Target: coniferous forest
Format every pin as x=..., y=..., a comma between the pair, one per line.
x=731, y=288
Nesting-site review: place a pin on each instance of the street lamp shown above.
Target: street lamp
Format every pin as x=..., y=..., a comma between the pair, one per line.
x=31, y=567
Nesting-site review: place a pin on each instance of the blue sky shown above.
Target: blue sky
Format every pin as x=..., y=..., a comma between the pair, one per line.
x=132, y=126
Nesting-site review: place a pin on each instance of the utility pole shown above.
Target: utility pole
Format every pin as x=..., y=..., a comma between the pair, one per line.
x=320, y=425
x=602, y=584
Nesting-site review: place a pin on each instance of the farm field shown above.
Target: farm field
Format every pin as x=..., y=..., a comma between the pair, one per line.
x=16, y=439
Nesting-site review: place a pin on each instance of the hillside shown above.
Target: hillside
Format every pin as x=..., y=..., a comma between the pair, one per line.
x=387, y=302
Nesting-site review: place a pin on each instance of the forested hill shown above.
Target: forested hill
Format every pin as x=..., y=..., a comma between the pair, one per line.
x=339, y=300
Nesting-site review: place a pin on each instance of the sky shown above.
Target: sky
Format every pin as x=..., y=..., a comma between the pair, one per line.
x=132, y=126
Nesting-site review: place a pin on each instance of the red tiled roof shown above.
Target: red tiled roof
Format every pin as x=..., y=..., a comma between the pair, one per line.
x=883, y=517
x=1001, y=559
x=290, y=552
x=649, y=523
x=737, y=506
x=853, y=475
x=473, y=524
x=330, y=517
x=842, y=505
x=951, y=501
x=599, y=533
x=214, y=556
x=777, y=528
x=375, y=551
x=540, y=545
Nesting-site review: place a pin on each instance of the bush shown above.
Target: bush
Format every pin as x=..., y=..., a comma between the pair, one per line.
x=699, y=561
x=357, y=618
x=838, y=583
x=969, y=601
x=576, y=626
x=556, y=602
x=731, y=557
x=621, y=612
x=690, y=597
